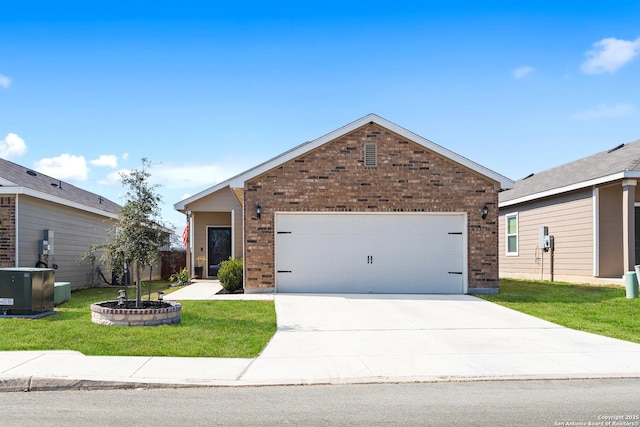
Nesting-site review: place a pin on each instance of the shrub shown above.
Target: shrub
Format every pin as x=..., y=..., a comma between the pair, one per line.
x=181, y=278
x=230, y=274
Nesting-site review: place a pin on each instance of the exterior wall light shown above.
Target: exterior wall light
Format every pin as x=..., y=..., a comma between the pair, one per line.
x=258, y=210
x=485, y=211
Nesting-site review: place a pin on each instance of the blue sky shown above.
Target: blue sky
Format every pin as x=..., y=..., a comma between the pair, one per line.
x=206, y=89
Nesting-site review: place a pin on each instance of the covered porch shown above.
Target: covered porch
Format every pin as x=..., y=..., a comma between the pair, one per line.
x=617, y=222
x=215, y=230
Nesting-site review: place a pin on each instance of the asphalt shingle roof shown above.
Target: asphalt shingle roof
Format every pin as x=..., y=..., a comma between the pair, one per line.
x=609, y=162
x=28, y=178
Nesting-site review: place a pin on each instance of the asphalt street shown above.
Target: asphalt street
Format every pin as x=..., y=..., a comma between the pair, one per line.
x=495, y=403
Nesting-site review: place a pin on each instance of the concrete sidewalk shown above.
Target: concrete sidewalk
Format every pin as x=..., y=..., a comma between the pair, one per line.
x=324, y=339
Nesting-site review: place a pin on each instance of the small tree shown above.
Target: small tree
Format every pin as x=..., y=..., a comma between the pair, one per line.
x=139, y=232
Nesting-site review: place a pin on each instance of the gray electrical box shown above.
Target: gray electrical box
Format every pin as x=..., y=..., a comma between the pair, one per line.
x=543, y=237
x=48, y=236
x=26, y=290
x=43, y=247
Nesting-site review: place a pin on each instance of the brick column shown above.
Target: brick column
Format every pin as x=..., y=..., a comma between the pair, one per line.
x=8, y=231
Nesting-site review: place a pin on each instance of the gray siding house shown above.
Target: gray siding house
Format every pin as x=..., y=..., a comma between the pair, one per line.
x=34, y=206
x=590, y=206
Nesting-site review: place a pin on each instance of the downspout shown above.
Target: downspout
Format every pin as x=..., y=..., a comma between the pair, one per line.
x=244, y=258
x=192, y=270
x=596, y=232
x=17, y=240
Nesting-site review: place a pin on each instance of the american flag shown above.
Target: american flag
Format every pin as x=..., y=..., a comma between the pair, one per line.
x=185, y=235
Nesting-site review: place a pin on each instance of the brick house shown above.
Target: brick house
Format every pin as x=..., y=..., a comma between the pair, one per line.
x=368, y=208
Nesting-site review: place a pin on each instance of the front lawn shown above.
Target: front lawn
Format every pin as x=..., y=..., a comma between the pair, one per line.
x=207, y=329
x=602, y=310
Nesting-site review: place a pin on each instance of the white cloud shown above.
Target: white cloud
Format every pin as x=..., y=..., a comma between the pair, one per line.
x=113, y=178
x=190, y=177
x=125, y=156
x=610, y=54
x=196, y=177
x=605, y=112
x=105, y=160
x=12, y=146
x=5, y=81
x=521, y=72
x=65, y=166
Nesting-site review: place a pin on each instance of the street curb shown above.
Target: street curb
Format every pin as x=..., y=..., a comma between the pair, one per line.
x=29, y=384
x=59, y=384
x=14, y=384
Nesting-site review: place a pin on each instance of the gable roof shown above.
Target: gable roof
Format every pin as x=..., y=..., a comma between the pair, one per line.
x=16, y=179
x=239, y=180
x=619, y=162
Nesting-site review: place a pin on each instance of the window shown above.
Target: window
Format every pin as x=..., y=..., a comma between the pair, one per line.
x=371, y=154
x=512, y=234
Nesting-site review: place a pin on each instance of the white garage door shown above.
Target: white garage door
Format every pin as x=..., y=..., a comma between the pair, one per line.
x=371, y=253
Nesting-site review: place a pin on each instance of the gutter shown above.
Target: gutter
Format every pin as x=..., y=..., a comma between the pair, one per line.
x=571, y=187
x=55, y=199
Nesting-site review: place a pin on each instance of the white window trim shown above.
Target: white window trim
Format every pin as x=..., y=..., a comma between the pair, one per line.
x=506, y=232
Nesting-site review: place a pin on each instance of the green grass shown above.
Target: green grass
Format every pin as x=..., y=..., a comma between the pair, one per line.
x=602, y=310
x=207, y=329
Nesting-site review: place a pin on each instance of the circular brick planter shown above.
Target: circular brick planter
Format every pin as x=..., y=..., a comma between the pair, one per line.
x=103, y=314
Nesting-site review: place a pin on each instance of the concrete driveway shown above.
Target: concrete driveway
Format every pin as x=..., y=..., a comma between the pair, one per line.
x=362, y=338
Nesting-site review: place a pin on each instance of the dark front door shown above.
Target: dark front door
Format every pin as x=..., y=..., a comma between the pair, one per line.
x=218, y=247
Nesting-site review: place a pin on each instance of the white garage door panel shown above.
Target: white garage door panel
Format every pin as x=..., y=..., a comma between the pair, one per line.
x=378, y=253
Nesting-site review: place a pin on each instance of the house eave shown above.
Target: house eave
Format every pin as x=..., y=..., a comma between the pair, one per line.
x=571, y=187
x=182, y=205
x=55, y=199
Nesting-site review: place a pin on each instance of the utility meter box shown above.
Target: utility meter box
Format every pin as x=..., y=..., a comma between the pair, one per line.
x=48, y=237
x=26, y=290
x=543, y=237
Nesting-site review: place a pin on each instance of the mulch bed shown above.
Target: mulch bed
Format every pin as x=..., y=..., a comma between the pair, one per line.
x=131, y=304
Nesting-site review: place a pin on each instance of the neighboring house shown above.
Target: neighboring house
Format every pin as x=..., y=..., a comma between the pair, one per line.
x=35, y=207
x=588, y=206
x=368, y=208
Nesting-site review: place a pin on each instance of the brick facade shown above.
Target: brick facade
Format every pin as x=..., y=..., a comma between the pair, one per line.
x=7, y=231
x=407, y=178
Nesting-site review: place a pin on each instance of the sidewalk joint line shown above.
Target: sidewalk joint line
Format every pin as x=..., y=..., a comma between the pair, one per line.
x=141, y=366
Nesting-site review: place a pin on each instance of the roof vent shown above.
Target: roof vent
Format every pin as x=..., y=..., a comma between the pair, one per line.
x=32, y=173
x=615, y=148
x=528, y=176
